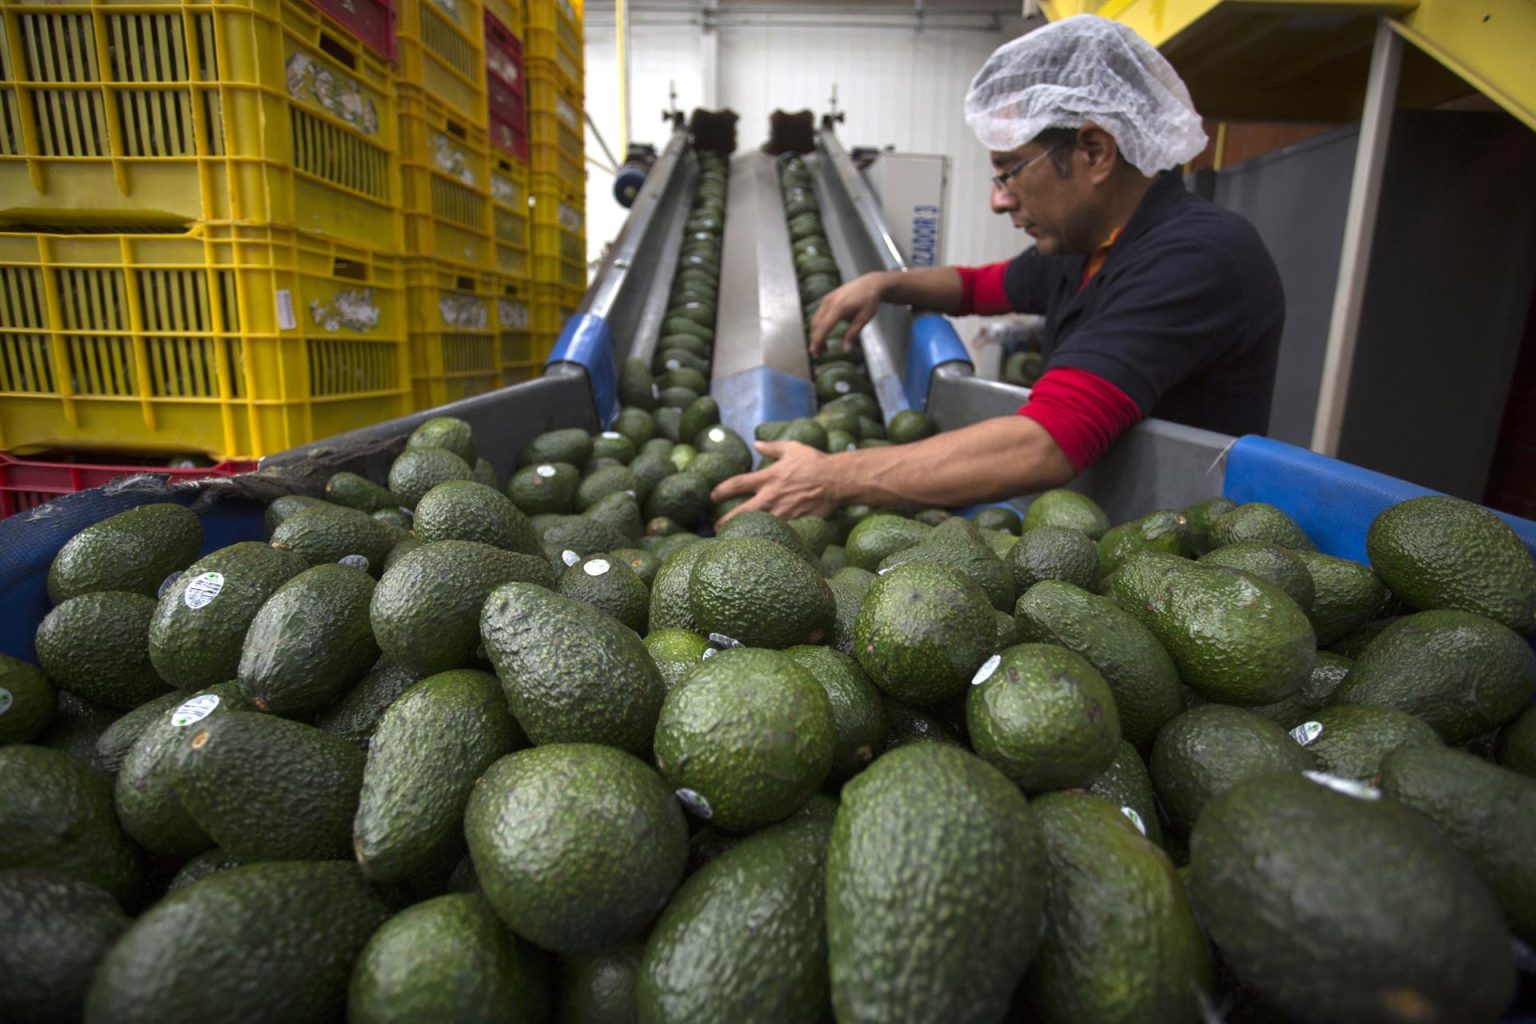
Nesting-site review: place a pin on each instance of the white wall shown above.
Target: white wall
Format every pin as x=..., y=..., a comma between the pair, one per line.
x=897, y=86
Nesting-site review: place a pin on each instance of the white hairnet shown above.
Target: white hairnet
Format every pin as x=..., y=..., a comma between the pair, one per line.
x=1086, y=68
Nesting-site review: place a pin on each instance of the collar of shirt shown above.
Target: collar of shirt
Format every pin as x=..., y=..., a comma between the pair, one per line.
x=1152, y=209
x=1096, y=260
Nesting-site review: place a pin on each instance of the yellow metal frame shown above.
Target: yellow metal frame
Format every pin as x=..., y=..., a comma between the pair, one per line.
x=1488, y=43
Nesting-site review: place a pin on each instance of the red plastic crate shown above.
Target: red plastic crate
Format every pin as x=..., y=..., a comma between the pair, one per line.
x=506, y=90
x=27, y=483
x=371, y=21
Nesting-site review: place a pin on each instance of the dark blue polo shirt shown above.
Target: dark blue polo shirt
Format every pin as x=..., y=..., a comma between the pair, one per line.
x=1184, y=316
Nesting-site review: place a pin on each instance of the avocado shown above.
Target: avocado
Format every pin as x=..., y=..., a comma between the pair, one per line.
x=1280, y=566
x=310, y=641
x=1127, y=785
x=723, y=441
x=485, y=473
x=670, y=607
x=447, y=959
x=147, y=803
x=930, y=833
x=1350, y=740
x=359, y=492
x=1315, y=693
x=570, y=445
x=608, y=585
x=1121, y=942
x=1139, y=672
x=355, y=716
x=75, y=727
x=1516, y=746
x=683, y=497
x=599, y=988
x=1353, y=644
x=286, y=934
x=880, y=535
x=56, y=812
x=572, y=674
x=577, y=846
x=57, y=930
x=545, y=487
x=425, y=611
x=1164, y=531
x=1199, y=516
x=1210, y=748
x=1066, y=508
x=1460, y=673
x=769, y=527
x=636, y=385
x=335, y=534
x=133, y=551
x=1043, y=716
x=755, y=915
x=426, y=753
x=1053, y=553
x=1257, y=521
x=676, y=652
x=1440, y=552
x=199, y=623
x=849, y=585
x=1337, y=905
x=636, y=425
x=1235, y=638
x=96, y=646
x=611, y=444
x=27, y=701
x=803, y=430
x=446, y=432
x=287, y=505
x=1346, y=595
x=1487, y=811
x=815, y=533
x=758, y=592
x=264, y=788
x=113, y=745
x=909, y=425
x=620, y=511
x=700, y=415
x=582, y=535
x=923, y=631
x=858, y=711
x=465, y=510
x=417, y=470
x=746, y=739
x=958, y=544
x=209, y=862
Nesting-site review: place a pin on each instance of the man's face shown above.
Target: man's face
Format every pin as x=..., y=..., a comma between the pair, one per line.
x=1036, y=197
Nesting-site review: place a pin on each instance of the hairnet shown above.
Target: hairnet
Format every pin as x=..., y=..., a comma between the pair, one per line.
x=1086, y=68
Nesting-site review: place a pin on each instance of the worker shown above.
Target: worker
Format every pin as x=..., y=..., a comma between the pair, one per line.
x=1156, y=302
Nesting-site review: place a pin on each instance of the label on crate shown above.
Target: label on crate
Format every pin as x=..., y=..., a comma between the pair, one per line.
x=321, y=83
x=1349, y=787
x=286, y=321
x=570, y=12
x=6, y=700
x=451, y=160
x=500, y=65
x=567, y=113
x=512, y=315
x=201, y=591
x=195, y=710
x=503, y=190
x=1306, y=732
x=451, y=6
x=462, y=311
x=695, y=802
x=359, y=562
x=1130, y=812
x=354, y=310
x=987, y=668
x=596, y=567
x=569, y=217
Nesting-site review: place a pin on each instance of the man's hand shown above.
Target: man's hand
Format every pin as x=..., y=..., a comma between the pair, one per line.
x=855, y=301
x=799, y=484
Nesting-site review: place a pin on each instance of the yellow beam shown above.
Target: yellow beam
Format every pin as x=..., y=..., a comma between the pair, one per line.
x=1487, y=43
x=1159, y=21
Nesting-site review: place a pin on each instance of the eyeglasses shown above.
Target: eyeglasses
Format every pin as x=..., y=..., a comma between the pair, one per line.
x=1000, y=181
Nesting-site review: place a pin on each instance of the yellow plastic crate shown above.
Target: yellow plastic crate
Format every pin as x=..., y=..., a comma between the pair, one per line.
x=555, y=35
x=552, y=306
x=509, y=209
x=556, y=128
x=161, y=115
x=559, y=234
x=455, y=342
x=446, y=171
x=441, y=49
x=232, y=340
x=522, y=354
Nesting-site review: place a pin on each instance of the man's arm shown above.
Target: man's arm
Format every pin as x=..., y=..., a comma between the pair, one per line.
x=990, y=460
x=937, y=288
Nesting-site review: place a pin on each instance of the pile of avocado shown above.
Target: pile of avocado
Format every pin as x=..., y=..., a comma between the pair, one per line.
x=457, y=749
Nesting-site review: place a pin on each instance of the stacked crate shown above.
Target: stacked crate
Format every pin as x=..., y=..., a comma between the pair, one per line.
x=556, y=133
x=506, y=82
x=199, y=228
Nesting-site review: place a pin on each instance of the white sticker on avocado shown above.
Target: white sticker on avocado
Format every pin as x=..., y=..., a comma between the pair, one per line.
x=842, y=387
x=656, y=389
x=1306, y=732
x=6, y=700
x=202, y=590
x=721, y=640
x=569, y=557
x=355, y=561
x=166, y=584
x=672, y=364
x=1130, y=812
x=1349, y=787
x=546, y=471
x=596, y=567
x=612, y=435
x=696, y=803
x=709, y=652
x=717, y=435
x=851, y=447
x=987, y=668
x=195, y=710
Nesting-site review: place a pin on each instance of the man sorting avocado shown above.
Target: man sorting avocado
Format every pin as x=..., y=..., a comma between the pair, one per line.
x=1156, y=302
